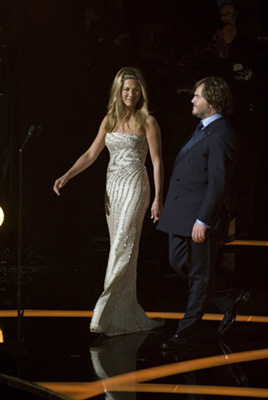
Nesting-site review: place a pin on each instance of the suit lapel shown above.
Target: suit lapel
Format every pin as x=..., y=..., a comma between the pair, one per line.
x=192, y=142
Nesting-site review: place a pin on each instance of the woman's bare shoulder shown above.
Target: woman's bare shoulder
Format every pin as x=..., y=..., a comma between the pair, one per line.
x=151, y=122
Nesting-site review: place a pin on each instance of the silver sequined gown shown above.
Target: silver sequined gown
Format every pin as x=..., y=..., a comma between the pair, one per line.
x=127, y=198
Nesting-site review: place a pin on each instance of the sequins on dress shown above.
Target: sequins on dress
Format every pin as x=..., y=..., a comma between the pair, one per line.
x=127, y=198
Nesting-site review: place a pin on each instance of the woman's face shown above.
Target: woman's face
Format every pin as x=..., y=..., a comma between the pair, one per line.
x=228, y=14
x=131, y=93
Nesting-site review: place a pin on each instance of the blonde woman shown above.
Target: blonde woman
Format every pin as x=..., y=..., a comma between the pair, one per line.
x=128, y=131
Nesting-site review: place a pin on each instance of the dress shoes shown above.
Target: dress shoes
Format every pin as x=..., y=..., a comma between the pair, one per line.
x=232, y=311
x=183, y=339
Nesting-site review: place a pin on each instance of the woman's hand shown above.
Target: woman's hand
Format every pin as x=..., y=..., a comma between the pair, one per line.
x=59, y=183
x=156, y=210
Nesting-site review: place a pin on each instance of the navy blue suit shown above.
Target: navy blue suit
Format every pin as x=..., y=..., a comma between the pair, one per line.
x=198, y=189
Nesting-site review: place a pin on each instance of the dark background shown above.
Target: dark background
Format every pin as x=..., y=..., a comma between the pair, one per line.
x=58, y=59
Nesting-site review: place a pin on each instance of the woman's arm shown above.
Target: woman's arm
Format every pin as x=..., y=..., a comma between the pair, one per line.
x=84, y=161
x=153, y=135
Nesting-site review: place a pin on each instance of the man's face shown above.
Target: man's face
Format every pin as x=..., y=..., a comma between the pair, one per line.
x=201, y=108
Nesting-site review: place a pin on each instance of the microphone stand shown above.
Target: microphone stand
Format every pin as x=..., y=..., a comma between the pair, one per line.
x=30, y=134
x=16, y=348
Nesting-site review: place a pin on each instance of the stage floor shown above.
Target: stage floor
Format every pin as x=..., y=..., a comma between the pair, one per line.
x=48, y=351
x=51, y=354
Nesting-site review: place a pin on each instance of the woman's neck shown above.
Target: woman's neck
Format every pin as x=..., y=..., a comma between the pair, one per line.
x=229, y=33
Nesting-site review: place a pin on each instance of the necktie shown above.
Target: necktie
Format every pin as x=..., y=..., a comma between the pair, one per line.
x=199, y=126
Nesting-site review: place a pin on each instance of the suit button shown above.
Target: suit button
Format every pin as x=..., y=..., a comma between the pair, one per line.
x=187, y=160
x=175, y=198
x=177, y=179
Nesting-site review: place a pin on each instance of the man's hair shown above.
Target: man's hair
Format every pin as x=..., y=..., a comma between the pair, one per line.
x=217, y=93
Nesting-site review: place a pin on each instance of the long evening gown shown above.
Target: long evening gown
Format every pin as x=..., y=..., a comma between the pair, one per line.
x=127, y=198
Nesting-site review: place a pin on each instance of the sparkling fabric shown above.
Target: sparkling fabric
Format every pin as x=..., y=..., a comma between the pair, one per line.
x=127, y=198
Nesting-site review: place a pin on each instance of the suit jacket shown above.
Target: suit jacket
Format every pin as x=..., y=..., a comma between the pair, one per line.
x=200, y=181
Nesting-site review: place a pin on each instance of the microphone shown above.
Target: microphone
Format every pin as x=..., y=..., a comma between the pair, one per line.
x=34, y=131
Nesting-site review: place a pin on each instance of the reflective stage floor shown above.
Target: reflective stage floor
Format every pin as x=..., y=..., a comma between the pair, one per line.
x=51, y=354
x=48, y=352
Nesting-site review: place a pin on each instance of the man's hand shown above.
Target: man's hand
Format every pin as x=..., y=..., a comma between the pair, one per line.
x=199, y=233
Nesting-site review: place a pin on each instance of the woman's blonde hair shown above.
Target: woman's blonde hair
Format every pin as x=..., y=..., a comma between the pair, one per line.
x=116, y=110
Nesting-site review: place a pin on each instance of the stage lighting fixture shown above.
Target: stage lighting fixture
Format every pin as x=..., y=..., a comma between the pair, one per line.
x=1, y=336
x=2, y=216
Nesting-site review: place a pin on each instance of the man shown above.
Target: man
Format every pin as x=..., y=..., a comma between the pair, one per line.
x=196, y=210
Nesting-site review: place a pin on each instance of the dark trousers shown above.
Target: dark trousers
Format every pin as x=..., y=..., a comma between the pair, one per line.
x=195, y=264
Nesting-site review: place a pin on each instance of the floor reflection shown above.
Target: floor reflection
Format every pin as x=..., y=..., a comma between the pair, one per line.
x=116, y=356
x=57, y=353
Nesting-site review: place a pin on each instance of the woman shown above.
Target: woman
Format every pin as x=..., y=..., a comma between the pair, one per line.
x=233, y=49
x=227, y=34
x=128, y=131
